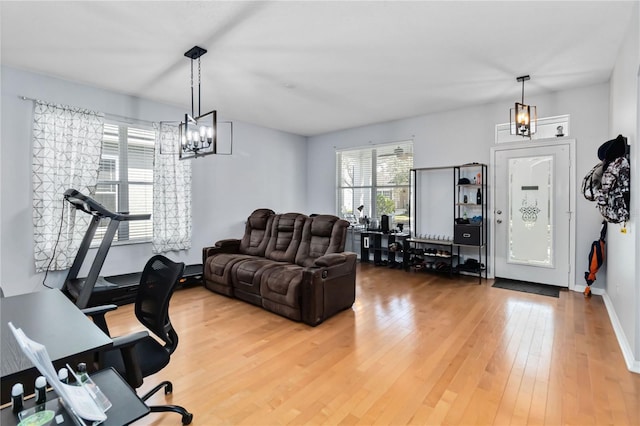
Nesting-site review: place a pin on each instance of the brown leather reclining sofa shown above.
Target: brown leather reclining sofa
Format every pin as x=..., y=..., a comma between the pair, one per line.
x=290, y=264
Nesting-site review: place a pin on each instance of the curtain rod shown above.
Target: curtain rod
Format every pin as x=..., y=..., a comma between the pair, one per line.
x=372, y=144
x=106, y=114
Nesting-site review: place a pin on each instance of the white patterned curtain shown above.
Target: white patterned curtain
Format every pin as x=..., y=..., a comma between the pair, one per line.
x=67, y=144
x=171, y=215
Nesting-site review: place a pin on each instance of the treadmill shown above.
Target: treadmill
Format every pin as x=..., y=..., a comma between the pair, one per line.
x=95, y=290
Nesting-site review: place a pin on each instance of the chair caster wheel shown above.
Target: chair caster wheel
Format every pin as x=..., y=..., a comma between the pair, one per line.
x=168, y=388
x=187, y=419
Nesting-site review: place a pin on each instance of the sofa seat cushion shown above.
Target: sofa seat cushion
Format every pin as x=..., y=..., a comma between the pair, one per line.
x=246, y=276
x=218, y=267
x=280, y=290
x=217, y=272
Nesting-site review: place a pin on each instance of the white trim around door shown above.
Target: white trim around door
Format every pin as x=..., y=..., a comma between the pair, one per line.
x=570, y=143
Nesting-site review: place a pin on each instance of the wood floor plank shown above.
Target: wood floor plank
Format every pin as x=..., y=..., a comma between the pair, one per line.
x=416, y=348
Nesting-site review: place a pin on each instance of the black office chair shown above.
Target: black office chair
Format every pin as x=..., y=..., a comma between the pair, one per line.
x=139, y=355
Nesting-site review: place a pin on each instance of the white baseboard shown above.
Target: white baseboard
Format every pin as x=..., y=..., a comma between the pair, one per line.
x=633, y=364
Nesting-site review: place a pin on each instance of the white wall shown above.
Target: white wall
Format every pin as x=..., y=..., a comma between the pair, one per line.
x=623, y=272
x=266, y=170
x=442, y=140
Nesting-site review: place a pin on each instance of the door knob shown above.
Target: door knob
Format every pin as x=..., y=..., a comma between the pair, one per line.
x=499, y=220
x=499, y=212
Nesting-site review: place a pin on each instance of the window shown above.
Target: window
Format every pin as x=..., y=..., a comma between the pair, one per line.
x=125, y=179
x=379, y=174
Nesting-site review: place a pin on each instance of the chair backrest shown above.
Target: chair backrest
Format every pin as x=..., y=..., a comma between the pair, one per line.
x=286, y=231
x=256, y=233
x=322, y=234
x=159, y=279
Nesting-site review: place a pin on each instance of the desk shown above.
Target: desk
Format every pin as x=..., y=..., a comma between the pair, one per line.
x=51, y=319
x=126, y=408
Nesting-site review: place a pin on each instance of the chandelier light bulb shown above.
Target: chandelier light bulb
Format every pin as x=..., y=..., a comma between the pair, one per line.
x=523, y=118
x=203, y=131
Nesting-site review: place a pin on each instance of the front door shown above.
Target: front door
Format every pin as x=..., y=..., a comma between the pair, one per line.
x=532, y=213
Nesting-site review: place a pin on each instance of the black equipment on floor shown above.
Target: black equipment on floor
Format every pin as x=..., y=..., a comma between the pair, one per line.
x=94, y=289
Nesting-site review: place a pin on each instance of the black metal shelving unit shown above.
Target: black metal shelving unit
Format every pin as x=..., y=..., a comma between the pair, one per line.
x=469, y=227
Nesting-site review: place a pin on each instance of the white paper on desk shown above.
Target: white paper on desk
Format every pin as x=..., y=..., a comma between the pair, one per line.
x=76, y=397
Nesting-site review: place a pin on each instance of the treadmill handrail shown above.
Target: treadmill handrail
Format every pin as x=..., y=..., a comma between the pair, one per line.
x=92, y=207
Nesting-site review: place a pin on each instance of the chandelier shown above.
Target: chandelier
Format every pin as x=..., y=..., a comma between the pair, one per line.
x=198, y=134
x=523, y=118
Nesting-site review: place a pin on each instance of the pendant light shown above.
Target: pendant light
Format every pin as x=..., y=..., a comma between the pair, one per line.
x=523, y=118
x=198, y=134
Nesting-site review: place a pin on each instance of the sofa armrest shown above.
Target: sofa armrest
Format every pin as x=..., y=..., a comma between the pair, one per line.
x=327, y=290
x=229, y=242
x=223, y=246
x=331, y=259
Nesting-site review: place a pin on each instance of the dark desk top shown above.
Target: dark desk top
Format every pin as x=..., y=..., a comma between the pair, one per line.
x=51, y=319
x=126, y=408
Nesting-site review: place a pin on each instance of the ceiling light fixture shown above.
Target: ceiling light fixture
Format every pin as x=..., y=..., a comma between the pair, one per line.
x=523, y=118
x=198, y=135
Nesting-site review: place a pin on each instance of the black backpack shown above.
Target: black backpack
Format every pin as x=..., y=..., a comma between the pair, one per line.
x=613, y=198
x=592, y=182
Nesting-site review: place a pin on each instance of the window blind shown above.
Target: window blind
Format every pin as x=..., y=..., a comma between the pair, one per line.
x=376, y=178
x=125, y=179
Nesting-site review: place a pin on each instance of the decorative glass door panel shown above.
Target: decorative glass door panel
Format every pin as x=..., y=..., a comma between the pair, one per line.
x=530, y=192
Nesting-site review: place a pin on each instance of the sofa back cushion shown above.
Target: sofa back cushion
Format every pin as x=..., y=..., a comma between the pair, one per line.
x=286, y=231
x=257, y=232
x=322, y=234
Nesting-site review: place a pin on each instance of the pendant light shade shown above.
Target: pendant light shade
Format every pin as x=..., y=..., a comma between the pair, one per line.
x=523, y=117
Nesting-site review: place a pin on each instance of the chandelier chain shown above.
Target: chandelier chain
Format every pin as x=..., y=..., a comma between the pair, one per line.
x=192, y=112
x=199, y=93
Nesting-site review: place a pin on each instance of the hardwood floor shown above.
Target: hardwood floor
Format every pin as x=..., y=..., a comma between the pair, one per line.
x=416, y=348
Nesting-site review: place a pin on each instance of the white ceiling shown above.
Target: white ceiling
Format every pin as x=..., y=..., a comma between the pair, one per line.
x=314, y=67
